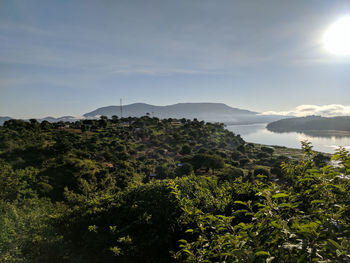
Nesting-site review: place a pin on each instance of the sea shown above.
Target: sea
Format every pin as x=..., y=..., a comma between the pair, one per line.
x=327, y=142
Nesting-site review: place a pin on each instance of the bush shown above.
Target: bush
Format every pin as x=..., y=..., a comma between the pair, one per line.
x=184, y=169
x=262, y=171
x=186, y=149
x=263, y=155
x=243, y=162
x=268, y=150
x=230, y=174
x=276, y=170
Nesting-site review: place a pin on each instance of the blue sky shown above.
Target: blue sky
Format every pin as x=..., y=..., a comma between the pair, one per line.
x=70, y=57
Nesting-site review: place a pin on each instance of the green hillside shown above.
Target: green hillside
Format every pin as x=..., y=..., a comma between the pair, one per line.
x=151, y=190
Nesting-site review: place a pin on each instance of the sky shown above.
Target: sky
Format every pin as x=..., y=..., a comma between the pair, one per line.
x=70, y=57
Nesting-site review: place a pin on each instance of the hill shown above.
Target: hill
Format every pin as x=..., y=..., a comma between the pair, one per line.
x=311, y=123
x=210, y=112
x=152, y=190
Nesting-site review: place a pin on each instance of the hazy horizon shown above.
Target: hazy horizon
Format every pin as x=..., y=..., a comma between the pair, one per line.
x=300, y=111
x=68, y=58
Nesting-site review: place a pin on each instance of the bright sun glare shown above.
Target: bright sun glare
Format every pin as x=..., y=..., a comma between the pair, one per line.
x=337, y=37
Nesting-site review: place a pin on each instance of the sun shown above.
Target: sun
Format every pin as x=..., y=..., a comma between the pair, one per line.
x=337, y=37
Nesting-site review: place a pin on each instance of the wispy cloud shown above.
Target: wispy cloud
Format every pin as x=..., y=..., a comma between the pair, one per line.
x=330, y=110
x=158, y=70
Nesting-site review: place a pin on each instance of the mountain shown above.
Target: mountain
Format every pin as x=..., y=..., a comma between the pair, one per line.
x=63, y=119
x=210, y=112
x=311, y=123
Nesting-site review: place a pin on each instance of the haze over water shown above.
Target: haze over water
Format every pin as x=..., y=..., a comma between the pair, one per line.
x=257, y=133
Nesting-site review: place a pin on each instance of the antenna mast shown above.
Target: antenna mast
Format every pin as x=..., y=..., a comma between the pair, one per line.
x=121, y=108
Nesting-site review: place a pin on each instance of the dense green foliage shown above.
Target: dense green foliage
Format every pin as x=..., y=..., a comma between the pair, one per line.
x=150, y=190
x=306, y=220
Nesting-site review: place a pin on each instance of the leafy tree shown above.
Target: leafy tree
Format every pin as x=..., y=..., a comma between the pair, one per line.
x=184, y=169
x=298, y=223
x=164, y=171
x=45, y=125
x=186, y=149
x=207, y=161
x=321, y=160
x=261, y=171
x=231, y=174
x=268, y=150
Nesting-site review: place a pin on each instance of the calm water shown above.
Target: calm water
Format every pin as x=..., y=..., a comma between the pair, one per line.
x=257, y=133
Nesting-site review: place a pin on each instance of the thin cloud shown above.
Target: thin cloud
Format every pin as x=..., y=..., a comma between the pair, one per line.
x=159, y=70
x=330, y=110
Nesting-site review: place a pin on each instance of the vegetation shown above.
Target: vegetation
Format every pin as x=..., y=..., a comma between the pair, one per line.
x=151, y=190
x=312, y=123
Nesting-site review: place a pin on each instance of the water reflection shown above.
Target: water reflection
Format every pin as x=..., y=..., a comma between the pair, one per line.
x=323, y=134
x=323, y=141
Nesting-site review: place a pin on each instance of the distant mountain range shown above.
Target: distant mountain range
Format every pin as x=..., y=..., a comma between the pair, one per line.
x=311, y=123
x=210, y=112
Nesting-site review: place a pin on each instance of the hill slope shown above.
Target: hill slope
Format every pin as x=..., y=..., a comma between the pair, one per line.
x=311, y=123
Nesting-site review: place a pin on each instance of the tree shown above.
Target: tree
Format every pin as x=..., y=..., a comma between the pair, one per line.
x=45, y=125
x=241, y=148
x=262, y=171
x=268, y=150
x=207, y=161
x=321, y=160
x=103, y=121
x=115, y=119
x=164, y=171
x=186, y=149
x=231, y=174
x=215, y=162
x=83, y=128
x=15, y=124
x=243, y=161
x=184, y=169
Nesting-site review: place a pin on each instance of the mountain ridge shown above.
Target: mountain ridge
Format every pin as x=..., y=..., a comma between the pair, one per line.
x=206, y=111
